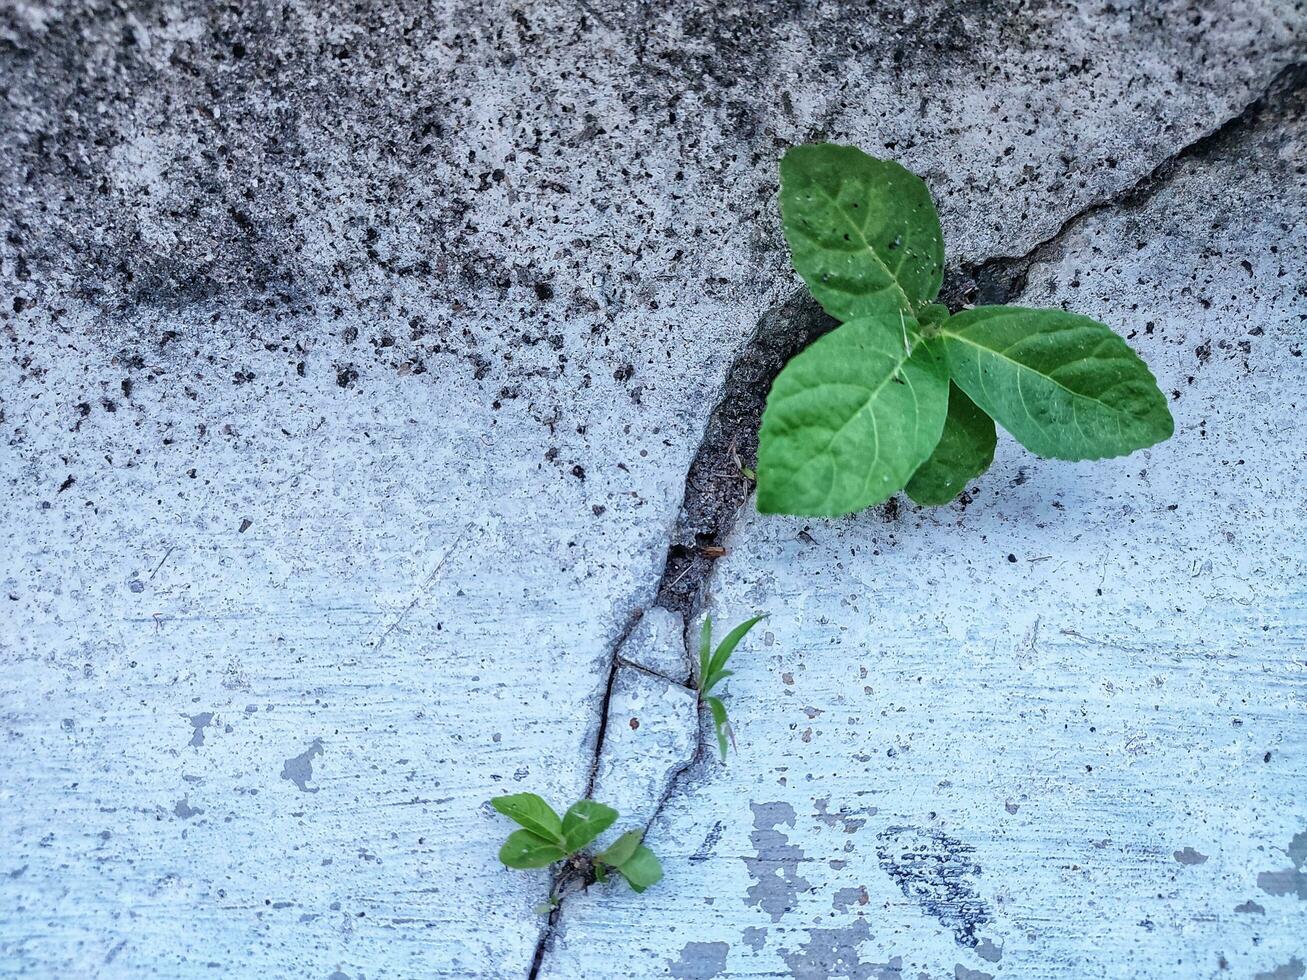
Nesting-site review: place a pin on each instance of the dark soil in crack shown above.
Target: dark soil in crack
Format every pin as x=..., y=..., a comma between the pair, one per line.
x=717, y=484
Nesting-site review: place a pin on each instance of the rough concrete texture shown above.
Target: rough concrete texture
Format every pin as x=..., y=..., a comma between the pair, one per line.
x=651, y=735
x=656, y=643
x=354, y=357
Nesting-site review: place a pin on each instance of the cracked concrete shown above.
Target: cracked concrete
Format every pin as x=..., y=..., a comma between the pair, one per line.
x=652, y=735
x=868, y=691
x=354, y=361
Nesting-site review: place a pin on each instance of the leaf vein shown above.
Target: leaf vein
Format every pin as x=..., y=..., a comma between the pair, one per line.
x=907, y=303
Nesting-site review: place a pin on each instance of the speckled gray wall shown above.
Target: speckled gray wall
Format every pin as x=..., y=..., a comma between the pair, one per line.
x=352, y=361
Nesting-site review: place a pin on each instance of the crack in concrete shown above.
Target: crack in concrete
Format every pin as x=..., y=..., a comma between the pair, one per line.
x=636, y=665
x=998, y=279
x=421, y=592
x=614, y=666
x=716, y=484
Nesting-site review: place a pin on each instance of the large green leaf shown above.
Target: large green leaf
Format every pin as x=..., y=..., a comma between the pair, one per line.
x=641, y=869
x=1064, y=385
x=860, y=230
x=524, y=849
x=531, y=812
x=585, y=821
x=965, y=450
x=850, y=419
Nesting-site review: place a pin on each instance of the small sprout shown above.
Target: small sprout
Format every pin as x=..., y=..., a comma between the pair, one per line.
x=533, y=813
x=546, y=839
x=712, y=671
x=619, y=851
x=524, y=849
x=641, y=869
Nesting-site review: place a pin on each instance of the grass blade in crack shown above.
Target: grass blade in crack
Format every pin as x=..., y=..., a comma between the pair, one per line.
x=717, y=665
x=965, y=450
x=1064, y=385
x=719, y=722
x=860, y=230
x=850, y=419
x=705, y=649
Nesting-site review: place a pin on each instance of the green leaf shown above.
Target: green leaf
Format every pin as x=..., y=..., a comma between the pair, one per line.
x=524, y=849
x=585, y=821
x=719, y=722
x=531, y=812
x=705, y=647
x=725, y=649
x=860, y=230
x=717, y=678
x=1064, y=385
x=641, y=869
x=965, y=450
x=932, y=315
x=619, y=851
x=849, y=420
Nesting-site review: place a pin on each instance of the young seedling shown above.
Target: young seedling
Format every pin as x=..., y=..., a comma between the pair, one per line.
x=712, y=671
x=904, y=396
x=546, y=839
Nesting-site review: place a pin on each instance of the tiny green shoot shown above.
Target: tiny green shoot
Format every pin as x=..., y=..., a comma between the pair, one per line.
x=546, y=838
x=712, y=671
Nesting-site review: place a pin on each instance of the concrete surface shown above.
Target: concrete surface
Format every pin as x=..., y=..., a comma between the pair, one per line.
x=354, y=358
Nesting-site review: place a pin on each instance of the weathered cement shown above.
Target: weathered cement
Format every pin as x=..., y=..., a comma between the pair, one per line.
x=353, y=361
x=1057, y=729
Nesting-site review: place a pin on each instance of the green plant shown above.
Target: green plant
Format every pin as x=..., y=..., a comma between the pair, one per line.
x=546, y=838
x=712, y=671
x=903, y=395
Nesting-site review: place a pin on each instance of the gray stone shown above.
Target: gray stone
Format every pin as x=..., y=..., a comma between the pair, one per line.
x=657, y=643
x=352, y=358
x=651, y=735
